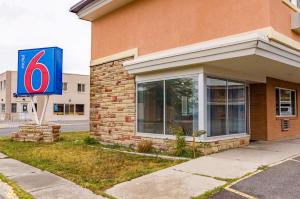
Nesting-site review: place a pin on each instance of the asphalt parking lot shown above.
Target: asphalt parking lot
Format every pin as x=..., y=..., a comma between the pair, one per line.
x=281, y=181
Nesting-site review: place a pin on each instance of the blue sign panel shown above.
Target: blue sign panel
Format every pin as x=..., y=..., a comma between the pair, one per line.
x=40, y=71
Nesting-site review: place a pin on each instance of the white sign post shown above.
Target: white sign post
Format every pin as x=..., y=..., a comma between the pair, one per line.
x=36, y=118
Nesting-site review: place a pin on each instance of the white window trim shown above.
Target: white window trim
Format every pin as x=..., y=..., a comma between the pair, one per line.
x=81, y=88
x=285, y=116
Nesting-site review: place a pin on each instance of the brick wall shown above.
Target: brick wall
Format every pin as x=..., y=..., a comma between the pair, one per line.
x=274, y=123
x=112, y=113
x=258, y=112
x=265, y=125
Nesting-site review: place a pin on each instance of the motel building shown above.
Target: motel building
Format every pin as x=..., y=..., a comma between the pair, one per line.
x=73, y=104
x=231, y=68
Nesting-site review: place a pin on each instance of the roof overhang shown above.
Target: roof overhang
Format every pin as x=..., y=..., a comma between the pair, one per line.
x=256, y=45
x=92, y=9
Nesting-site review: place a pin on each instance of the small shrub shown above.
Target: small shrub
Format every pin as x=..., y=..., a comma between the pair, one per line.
x=196, y=134
x=90, y=140
x=180, y=141
x=145, y=146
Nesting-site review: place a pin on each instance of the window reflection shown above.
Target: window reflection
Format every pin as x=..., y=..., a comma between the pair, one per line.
x=226, y=107
x=150, y=107
x=168, y=103
x=182, y=104
x=216, y=107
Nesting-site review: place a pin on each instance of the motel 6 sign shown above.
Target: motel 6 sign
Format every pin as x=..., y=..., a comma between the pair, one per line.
x=40, y=71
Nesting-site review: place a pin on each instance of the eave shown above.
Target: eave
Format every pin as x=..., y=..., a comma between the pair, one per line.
x=92, y=9
x=252, y=44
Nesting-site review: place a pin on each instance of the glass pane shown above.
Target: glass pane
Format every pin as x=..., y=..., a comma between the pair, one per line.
x=3, y=108
x=67, y=109
x=150, y=107
x=285, y=95
x=293, y=94
x=182, y=104
x=216, y=107
x=59, y=109
x=72, y=109
x=277, y=101
x=79, y=109
x=24, y=108
x=236, y=108
x=287, y=102
x=13, y=107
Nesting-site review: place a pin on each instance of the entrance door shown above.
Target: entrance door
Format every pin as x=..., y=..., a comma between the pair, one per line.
x=24, y=111
x=24, y=108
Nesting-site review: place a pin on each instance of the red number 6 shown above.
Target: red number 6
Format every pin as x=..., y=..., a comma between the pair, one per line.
x=32, y=66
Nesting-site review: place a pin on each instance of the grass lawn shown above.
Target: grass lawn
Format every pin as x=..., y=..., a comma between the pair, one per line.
x=89, y=166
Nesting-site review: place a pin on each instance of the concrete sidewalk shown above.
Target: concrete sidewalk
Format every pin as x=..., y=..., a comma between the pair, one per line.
x=197, y=176
x=42, y=184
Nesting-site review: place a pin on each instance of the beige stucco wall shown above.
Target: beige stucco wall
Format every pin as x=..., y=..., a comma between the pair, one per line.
x=155, y=25
x=2, y=95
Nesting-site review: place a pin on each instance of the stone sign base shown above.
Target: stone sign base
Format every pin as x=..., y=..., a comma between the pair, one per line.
x=37, y=133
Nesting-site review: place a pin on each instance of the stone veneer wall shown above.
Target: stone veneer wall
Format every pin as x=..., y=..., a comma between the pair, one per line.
x=112, y=95
x=37, y=133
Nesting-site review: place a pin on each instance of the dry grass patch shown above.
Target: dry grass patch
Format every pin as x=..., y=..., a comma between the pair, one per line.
x=89, y=166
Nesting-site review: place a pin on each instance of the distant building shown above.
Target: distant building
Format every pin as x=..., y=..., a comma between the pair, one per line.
x=72, y=105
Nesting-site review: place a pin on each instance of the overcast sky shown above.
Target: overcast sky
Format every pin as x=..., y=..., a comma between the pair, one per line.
x=43, y=23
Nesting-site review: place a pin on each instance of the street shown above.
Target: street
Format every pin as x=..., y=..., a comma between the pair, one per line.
x=66, y=126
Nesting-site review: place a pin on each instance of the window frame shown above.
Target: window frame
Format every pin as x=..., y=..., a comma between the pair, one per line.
x=164, y=79
x=295, y=107
x=65, y=86
x=3, y=108
x=79, y=113
x=14, y=107
x=82, y=87
x=57, y=113
x=247, y=107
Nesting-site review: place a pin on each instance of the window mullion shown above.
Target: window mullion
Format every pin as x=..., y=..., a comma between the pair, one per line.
x=164, y=111
x=227, y=102
x=280, y=102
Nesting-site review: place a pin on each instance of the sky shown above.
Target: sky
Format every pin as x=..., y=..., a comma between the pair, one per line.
x=26, y=24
